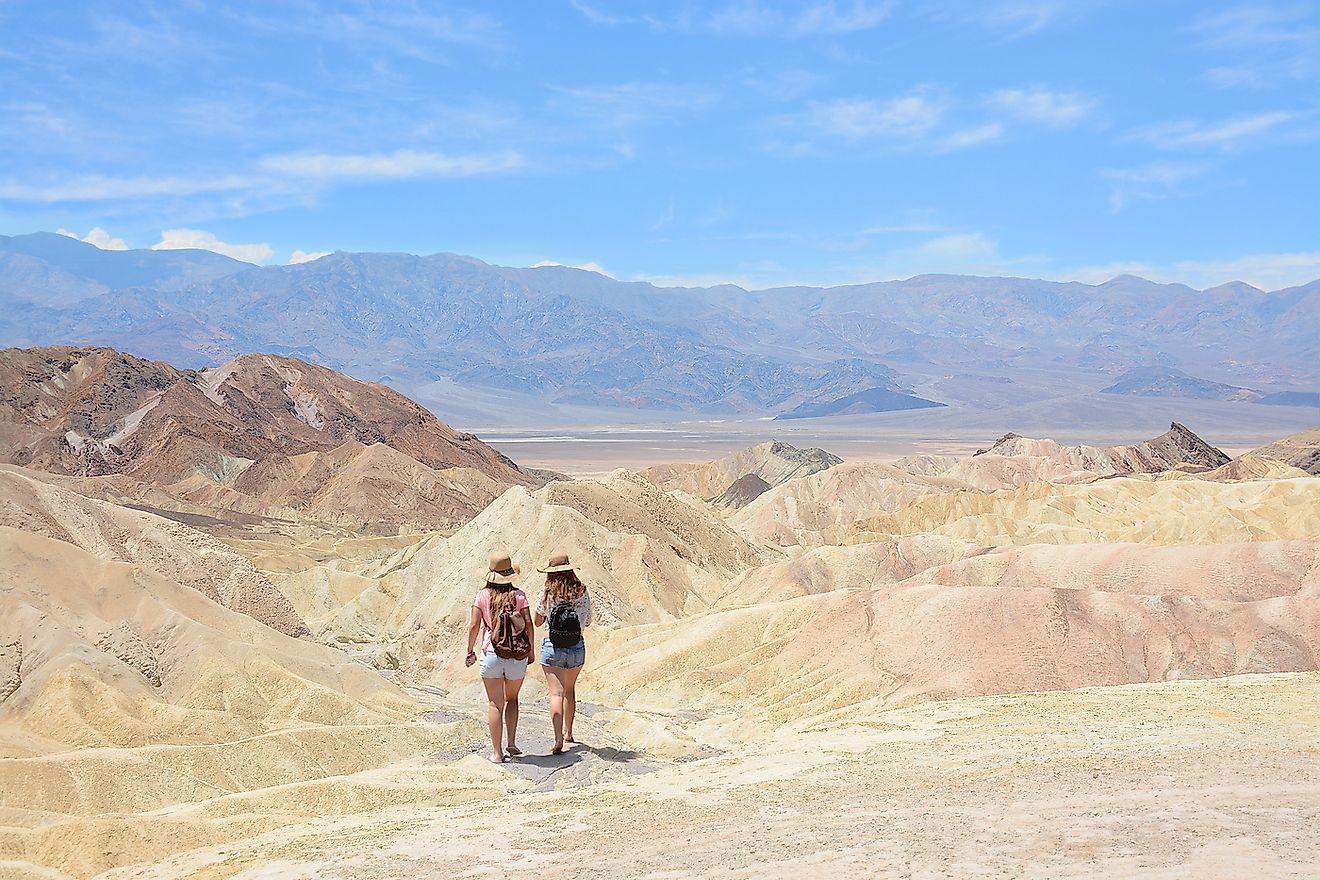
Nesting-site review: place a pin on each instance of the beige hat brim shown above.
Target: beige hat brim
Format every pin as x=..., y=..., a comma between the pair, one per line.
x=554, y=568
x=494, y=577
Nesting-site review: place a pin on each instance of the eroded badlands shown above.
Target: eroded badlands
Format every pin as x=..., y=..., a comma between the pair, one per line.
x=1040, y=660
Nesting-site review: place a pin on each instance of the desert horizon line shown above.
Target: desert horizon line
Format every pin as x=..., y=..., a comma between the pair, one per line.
x=1087, y=277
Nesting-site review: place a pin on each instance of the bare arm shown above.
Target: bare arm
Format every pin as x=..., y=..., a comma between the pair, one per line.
x=540, y=609
x=531, y=635
x=474, y=630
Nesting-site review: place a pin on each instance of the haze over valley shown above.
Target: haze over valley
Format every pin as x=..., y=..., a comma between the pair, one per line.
x=902, y=415
x=552, y=348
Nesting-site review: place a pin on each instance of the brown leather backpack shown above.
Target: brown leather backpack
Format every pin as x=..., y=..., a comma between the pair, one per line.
x=508, y=631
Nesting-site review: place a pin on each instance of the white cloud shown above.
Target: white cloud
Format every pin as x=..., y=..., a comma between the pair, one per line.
x=1227, y=134
x=588, y=266
x=176, y=239
x=908, y=117
x=972, y=137
x=1266, y=271
x=757, y=19
x=96, y=188
x=793, y=19
x=1153, y=181
x=955, y=250
x=631, y=103
x=396, y=165
x=1265, y=45
x=1042, y=106
x=1011, y=19
x=98, y=237
x=279, y=174
x=306, y=256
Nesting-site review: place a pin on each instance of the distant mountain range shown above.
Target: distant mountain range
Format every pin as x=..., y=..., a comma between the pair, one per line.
x=455, y=332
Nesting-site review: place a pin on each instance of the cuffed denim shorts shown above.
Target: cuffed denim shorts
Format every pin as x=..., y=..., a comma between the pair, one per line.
x=495, y=666
x=563, y=658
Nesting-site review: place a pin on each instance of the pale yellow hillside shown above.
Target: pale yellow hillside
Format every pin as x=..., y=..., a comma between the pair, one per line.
x=818, y=509
x=764, y=665
x=1246, y=571
x=1189, y=511
x=822, y=569
x=122, y=691
x=645, y=555
x=169, y=548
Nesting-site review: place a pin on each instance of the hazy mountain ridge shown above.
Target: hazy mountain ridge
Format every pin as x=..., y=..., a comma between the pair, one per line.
x=56, y=270
x=572, y=337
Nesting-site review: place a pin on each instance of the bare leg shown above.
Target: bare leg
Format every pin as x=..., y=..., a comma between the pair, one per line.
x=570, y=701
x=554, y=682
x=511, y=689
x=495, y=716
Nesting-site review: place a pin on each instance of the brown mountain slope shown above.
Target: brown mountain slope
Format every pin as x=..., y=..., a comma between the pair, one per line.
x=279, y=397
x=1176, y=446
x=238, y=428
x=1301, y=450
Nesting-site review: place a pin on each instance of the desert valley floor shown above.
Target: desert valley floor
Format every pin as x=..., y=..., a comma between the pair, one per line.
x=233, y=606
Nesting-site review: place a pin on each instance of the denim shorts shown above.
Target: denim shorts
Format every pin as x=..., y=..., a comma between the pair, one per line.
x=495, y=666
x=563, y=658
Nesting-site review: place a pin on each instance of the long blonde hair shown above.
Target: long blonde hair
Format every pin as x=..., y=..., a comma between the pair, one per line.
x=503, y=597
x=564, y=586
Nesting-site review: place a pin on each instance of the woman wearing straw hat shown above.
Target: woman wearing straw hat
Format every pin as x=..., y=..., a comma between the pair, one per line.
x=501, y=617
x=567, y=606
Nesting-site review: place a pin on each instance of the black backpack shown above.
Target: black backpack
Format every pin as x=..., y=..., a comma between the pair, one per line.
x=565, y=628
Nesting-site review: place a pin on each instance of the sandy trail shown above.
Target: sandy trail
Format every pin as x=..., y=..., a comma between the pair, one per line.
x=1183, y=779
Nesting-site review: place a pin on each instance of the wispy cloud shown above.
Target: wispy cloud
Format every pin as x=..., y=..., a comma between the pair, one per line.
x=794, y=20
x=752, y=18
x=400, y=164
x=1151, y=182
x=908, y=117
x=928, y=119
x=1225, y=134
x=178, y=239
x=972, y=137
x=622, y=105
x=97, y=187
x=99, y=237
x=405, y=30
x=1042, y=106
x=1265, y=45
x=1010, y=19
x=272, y=174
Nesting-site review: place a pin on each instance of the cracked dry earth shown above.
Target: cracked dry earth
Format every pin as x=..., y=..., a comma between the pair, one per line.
x=1216, y=778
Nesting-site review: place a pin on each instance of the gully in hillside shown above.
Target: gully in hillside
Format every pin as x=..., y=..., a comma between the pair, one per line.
x=500, y=617
x=566, y=605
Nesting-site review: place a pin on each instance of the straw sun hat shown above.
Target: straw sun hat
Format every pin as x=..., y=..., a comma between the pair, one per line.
x=558, y=562
x=502, y=570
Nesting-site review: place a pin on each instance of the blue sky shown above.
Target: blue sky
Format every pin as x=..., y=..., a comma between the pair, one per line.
x=754, y=142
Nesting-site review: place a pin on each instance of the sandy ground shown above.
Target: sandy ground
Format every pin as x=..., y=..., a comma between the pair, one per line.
x=1183, y=779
